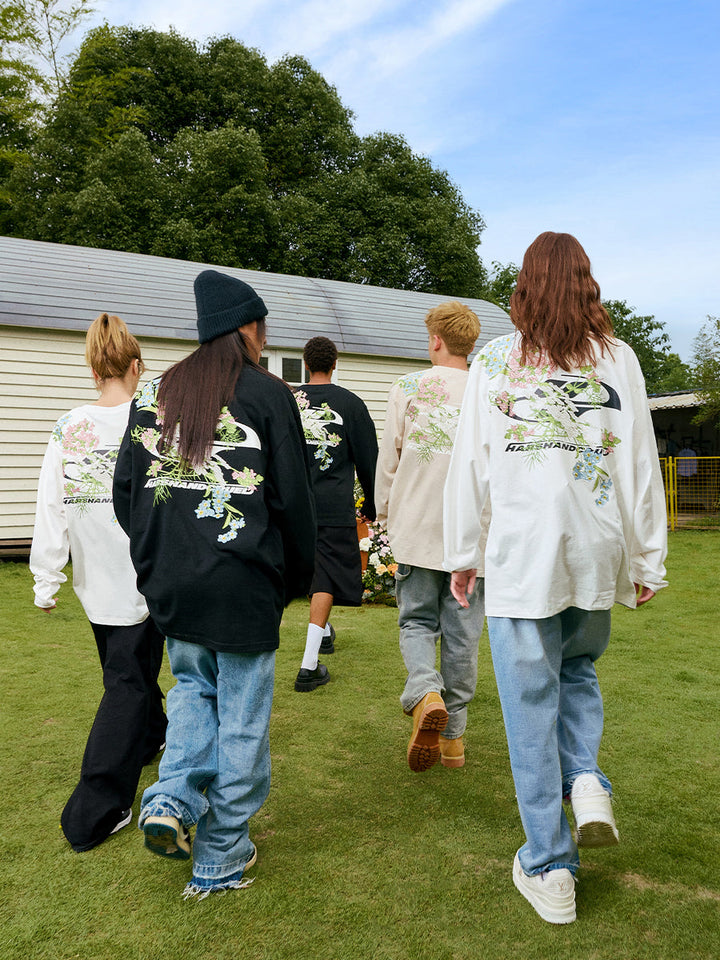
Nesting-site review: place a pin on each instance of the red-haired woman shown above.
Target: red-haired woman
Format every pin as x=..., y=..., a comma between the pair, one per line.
x=75, y=516
x=555, y=432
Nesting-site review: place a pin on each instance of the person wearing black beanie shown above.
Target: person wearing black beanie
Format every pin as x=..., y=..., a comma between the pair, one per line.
x=224, y=304
x=212, y=485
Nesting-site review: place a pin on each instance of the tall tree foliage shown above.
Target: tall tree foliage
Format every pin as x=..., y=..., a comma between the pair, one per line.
x=664, y=371
x=157, y=145
x=18, y=103
x=500, y=284
x=706, y=370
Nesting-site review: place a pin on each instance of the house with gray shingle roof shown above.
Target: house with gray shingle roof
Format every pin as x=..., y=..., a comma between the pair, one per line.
x=50, y=293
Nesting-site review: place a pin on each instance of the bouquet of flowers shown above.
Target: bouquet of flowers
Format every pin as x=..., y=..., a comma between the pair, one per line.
x=379, y=574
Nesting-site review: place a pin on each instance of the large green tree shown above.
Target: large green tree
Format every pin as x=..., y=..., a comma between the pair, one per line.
x=664, y=371
x=706, y=370
x=18, y=103
x=500, y=284
x=155, y=144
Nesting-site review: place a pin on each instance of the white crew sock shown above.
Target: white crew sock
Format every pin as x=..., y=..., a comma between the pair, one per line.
x=312, y=647
x=327, y=630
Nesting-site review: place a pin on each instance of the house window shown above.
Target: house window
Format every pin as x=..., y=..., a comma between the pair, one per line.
x=293, y=370
x=286, y=365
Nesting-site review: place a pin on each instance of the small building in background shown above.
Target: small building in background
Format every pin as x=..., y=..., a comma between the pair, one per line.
x=50, y=293
x=673, y=415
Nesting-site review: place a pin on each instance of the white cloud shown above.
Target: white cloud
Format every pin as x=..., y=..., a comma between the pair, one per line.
x=321, y=27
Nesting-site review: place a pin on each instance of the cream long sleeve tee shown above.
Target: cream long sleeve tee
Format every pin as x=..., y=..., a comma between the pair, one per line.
x=568, y=463
x=420, y=425
x=75, y=516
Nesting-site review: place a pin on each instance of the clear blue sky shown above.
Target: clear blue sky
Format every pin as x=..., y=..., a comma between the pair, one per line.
x=595, y=117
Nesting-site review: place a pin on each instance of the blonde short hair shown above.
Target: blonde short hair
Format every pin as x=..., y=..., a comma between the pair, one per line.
x=456, y=325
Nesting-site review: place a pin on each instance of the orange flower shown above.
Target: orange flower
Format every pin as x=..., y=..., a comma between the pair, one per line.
x=392, y=568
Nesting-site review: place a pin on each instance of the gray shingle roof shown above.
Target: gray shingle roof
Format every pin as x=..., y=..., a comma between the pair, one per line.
x=55, y=286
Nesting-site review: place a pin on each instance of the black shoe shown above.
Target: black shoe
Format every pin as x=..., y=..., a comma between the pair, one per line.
x=328, y=643
x=152, y=753
x=307, y=680
x=125, y=818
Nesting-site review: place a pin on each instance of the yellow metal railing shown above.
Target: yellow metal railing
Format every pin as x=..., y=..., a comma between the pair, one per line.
x=692, y=491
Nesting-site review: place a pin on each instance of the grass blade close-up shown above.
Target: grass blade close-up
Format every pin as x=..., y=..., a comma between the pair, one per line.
x=358, y=857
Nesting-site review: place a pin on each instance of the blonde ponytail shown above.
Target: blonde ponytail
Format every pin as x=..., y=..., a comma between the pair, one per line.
x=110, y=348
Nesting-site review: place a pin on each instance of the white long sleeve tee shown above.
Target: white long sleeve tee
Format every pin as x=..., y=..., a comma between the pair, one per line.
x=422, y=417
x=568, y=462
x=75, y=516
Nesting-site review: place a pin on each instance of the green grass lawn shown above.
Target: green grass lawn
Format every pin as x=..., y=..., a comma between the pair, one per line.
x=359, y=858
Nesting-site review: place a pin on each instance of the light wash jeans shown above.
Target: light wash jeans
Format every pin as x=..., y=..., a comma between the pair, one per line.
x=553, y=714
x=427, y=610
x=215, y=770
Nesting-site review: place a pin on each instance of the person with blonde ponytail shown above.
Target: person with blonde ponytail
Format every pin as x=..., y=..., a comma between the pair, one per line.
x=75, y=518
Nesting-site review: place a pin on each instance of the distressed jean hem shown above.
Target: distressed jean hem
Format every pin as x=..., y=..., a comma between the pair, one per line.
x=572, y=867
x=416, y=700
x=161, y=806
x=570, y=778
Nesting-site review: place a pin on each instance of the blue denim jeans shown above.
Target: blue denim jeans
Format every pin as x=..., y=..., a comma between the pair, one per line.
x=215, y=771
x=428, y=611
x=553, y=714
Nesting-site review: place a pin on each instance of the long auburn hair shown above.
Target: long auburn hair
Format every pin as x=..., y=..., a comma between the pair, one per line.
x=556, y=305
x=193, y=392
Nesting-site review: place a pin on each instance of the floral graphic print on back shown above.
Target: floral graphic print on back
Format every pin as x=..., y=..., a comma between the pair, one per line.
x=87, y=466
x=433, y=417
x=216, y=478
x=317, y=423
x=546, y=407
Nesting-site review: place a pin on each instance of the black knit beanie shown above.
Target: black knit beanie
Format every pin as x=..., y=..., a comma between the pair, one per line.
x=223, y=304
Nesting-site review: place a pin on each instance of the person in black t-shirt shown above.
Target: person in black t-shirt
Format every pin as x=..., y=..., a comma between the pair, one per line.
x=341, y=438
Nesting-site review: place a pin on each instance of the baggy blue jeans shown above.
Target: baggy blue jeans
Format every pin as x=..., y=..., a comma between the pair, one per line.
x=427, y=610
x=553, y=712
x=215, y=771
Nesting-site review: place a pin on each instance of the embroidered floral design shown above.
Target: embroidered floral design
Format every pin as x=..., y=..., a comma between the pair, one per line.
x=315, y=422
x=493, y=355
x=409, y=383
x=216, y=477
x=57, y=433
x=433, y=417
x=146, y=399
x=546, y=405
x=87, y=469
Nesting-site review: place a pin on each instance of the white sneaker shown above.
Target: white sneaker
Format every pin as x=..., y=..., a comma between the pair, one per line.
x=592, y=809
x=551, y=894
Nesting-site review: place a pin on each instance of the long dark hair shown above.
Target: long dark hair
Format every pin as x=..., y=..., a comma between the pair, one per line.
x=193, y=392
x=556, y=305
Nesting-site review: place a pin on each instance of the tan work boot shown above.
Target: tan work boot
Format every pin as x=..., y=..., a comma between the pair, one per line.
x=429, y=718
x=452, y=752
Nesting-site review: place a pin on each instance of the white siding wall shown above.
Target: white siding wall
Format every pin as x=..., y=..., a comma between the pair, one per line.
x=43, y=374
x=372, y=377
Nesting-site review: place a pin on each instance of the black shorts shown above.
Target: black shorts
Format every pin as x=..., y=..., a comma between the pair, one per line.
x=338, y=570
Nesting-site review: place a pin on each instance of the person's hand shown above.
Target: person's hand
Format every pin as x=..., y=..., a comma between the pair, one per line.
x=642, y=594
x=462, y=584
